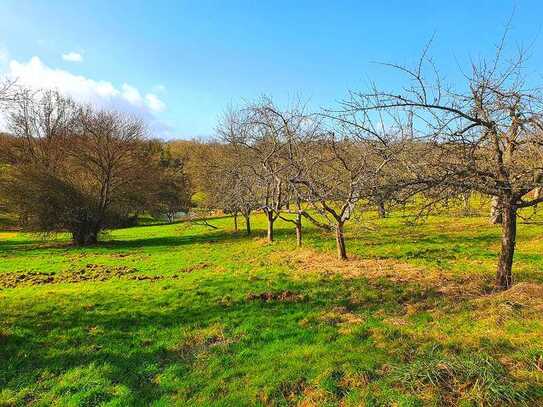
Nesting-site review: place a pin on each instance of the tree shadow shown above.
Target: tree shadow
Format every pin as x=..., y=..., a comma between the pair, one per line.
x=215, y=236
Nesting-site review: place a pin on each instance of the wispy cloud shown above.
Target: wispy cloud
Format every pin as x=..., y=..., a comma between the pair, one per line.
x=72, y=57
x=154, y=103
x=159, y=88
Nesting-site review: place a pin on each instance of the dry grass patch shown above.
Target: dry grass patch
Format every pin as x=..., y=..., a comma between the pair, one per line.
x=194, y=267
x=339, y=317
x=313, y=396
x=307, y=262
x=522, y=300
x=200, y=341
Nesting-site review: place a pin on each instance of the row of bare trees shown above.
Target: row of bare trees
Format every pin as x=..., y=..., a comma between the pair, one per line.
x=76, y=168
x=426, y=140
x=298, y=166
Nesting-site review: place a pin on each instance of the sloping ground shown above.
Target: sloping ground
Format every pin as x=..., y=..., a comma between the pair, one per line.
x=184, y=316
x=442, y=365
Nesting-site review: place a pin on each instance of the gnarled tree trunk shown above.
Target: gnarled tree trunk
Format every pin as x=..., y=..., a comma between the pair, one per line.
x=466, y=208
x=271, y=219
x=85, y=235
x=340, y=242
x=496, y=216
x=504, y=274
x=538, y=193
x=381, y=209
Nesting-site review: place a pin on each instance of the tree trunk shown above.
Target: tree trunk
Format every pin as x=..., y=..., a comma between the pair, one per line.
x=235, y=222
x=466, y=207
x=340, y=242
x=269, y=215
x=85, y=236
x=298, y=225
x=496, y=216
x=538, y=193
x=248, y=224
x=381, y=209
x=504, y=275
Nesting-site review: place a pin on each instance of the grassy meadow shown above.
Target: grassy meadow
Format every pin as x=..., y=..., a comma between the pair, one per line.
x=186, y=315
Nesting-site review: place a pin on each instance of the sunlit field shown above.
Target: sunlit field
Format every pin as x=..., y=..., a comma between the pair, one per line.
x=184, y=314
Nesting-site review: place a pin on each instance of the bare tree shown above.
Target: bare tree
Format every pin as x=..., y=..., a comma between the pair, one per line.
x=333, y=171
x=76, y=168
x=236, y=187
x=230, y=182
x=9, y=92
x=257, y=132
x=485, y=136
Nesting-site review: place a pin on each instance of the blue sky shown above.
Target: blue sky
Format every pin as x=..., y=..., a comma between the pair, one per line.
x=181, y=63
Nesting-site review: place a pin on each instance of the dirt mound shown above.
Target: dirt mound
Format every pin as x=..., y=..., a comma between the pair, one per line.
x=339, y=317
x=523, y=300
x=526, y=292
x=194, y=267
x=96, y=272
x=520, y=295
x=12, y=280
x=91, y=272
x=269, y=296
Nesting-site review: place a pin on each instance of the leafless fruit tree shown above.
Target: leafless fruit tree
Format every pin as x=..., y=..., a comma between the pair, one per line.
x=484, y=136
x=256, y=134
x=334, y=168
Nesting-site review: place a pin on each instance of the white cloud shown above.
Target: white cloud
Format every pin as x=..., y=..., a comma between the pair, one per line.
x=72, y=57
x=102, y=94
x=35, y=74
x=4, y=56
x=131, y=94
x=154, y=103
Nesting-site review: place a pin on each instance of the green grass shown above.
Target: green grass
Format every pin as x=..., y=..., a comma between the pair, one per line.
x=222, y=319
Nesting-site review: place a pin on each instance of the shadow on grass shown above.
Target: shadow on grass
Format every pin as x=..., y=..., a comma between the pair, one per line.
x=140, y=344
x=215, y=236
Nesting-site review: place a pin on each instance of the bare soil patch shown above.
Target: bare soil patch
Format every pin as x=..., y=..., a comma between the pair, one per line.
x=194, y=267
x=91, y=272
x=281, y=296
x=339, y=317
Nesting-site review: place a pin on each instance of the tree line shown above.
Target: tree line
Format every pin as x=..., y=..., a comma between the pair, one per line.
x=75, y=168
x=71, y=167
